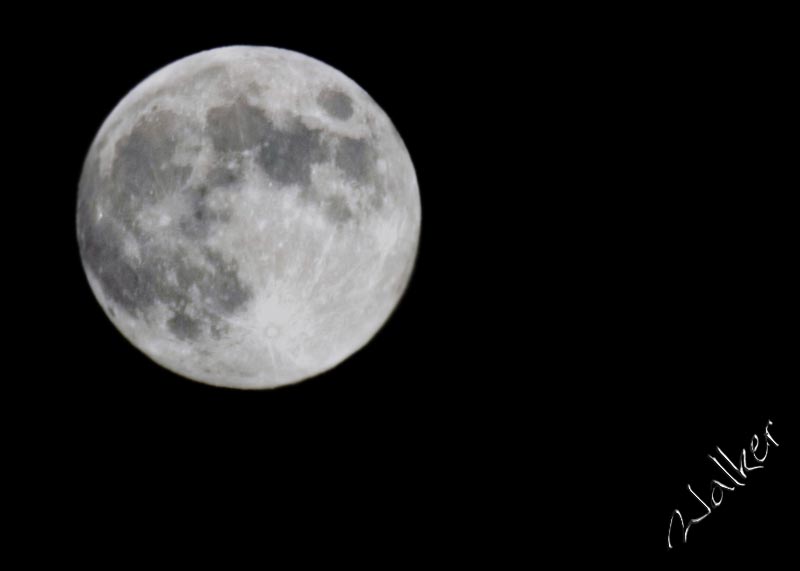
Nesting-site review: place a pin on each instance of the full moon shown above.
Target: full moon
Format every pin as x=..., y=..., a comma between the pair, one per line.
x=248, y=217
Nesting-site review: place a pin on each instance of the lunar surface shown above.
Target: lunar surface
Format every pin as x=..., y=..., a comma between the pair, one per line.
x=248, y=217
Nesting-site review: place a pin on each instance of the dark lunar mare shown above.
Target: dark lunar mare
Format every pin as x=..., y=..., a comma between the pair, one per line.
x=237, y=127
x=357, y=159
x=336, y=104
x=143, y=174
x=287, y=155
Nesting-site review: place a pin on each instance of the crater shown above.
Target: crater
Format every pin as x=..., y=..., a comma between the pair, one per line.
x=336, y=104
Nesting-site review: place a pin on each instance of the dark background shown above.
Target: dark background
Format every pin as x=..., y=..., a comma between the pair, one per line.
x=602, y=295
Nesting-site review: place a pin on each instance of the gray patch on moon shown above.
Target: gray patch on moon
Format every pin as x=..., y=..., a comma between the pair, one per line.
x=190, y=86
x=356, y=158
x=287, y=156
x=89, y=185
x=222, y=285
x=222, y=176
x=136, y=284
x=204, y=78
x=184, y=327
x=236, y=127
x=101, y=249
x=336, y=209
x=143, y=171
x=336, y=103
x=143, y=174
x=202, y=216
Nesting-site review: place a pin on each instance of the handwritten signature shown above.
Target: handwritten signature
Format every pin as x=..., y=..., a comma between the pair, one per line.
x=717, y=486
